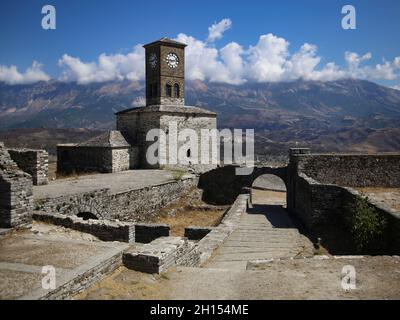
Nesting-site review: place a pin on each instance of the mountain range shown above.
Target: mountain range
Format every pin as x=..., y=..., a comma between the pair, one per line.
x=344, y=115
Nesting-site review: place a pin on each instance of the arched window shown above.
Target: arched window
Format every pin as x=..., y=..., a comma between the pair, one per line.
x=188, y=153
x=176, y=90
x=168, y=90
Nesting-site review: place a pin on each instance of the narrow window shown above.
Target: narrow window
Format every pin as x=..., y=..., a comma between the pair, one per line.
x=188, y=153
x=168, y=90
x=176, y=90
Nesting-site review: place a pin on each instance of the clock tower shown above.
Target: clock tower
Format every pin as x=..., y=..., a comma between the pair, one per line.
x=165, y=73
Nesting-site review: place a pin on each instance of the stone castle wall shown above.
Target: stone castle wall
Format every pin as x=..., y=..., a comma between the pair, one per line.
x=319, y=195
x=352, y=170
x=131, y=206
x=323, y=210
x=34, y=162
x=16, y=199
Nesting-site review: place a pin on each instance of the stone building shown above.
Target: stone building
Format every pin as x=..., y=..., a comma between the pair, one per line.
x=107, y=153
x=165, y=113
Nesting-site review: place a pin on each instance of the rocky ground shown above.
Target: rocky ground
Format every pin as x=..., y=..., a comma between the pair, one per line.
x=189, y=210
x=376, y=278
x=318, y=277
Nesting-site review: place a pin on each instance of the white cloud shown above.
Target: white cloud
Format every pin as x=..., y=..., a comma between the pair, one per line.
x=11, y=75
x=108, y=67
x=216, y=31
x=269, y=60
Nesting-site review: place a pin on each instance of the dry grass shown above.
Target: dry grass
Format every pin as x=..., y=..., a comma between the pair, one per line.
x=190, y=210
x=126, y=284
x=389, y=196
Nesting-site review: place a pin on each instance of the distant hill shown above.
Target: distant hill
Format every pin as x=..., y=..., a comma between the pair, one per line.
x=339, y=115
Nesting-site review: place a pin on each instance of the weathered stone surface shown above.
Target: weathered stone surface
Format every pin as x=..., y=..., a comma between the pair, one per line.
x=157, y=256
x=130, y=206
x=105, y=230
x=34, y=162
x=16, y=199
x=204, y=248
x=319, y=193
x=135, y=124
x=146, y=232
x=197, y=233
x=91, y=158
x=351, y=170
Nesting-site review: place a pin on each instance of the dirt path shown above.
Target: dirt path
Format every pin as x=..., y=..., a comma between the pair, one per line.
x=377, y=278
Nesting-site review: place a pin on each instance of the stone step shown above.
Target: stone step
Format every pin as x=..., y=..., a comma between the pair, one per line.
x=249, y=256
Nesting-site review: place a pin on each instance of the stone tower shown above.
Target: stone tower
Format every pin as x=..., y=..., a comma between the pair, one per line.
x=166, y=111
x=179, y=143
x=165, y=72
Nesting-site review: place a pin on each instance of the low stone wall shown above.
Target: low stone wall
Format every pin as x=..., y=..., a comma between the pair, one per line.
x=157, y=256
x=203, y=249
x=212, y=241
x=94, y=202
x=16, y=199
x=76, y=281
x=146, y=233
x=197, y=233
x=34, y=162
x=143, y=204
x=351, y=170
x=131, y=206
x=105, y=230
x=322, y=209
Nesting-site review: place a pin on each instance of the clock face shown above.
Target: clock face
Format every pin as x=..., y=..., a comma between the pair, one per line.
x=153, y=60
x=172, y=60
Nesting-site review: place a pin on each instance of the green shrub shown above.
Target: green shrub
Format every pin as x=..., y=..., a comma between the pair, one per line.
x=365, y=223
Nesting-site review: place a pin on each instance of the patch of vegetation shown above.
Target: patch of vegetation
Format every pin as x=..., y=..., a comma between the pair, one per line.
x=366, y=224
x=178, y=174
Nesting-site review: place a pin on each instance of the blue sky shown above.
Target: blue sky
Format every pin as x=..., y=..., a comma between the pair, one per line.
x=88, y=28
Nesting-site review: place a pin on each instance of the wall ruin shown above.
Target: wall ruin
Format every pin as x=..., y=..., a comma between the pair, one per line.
x=16, y=199
x=34, y=162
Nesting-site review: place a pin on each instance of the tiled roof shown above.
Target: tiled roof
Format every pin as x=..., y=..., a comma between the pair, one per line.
x=111, y=139
x=165, y=41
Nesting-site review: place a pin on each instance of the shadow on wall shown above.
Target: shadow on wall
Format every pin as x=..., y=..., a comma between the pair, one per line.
x=222, y=186
x=87, y=216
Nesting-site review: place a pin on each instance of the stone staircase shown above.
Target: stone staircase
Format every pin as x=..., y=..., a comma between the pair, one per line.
x=265, y=232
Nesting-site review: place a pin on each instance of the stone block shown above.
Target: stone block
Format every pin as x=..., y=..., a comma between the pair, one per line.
x=157, y=256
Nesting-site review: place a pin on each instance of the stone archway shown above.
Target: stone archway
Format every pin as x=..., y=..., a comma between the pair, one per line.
x=90, y=206
x=87, y=216
x=222, y=185
x=268, y=189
